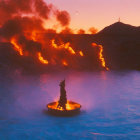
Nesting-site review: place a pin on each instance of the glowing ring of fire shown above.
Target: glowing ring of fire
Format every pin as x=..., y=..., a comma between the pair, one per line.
x=72, y=108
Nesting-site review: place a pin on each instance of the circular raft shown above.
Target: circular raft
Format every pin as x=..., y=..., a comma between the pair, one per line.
x=72, y=108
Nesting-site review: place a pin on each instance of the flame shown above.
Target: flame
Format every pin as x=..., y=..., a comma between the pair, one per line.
x=81, y=53
x=69, y=106
x=16, y=46
x=101, y=57
x=34, y=36
x=63, y=46
x=64, y=63
x=41, y=59
x=40, y=26
x=94, y=44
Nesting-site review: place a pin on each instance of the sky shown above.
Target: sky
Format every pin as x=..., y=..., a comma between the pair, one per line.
x=99, y=13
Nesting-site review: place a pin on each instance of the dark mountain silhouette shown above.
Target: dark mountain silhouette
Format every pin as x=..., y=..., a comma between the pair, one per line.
x=121, y=45
x=120, y=28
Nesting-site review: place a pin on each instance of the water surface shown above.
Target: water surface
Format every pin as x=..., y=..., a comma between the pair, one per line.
x=110, y=106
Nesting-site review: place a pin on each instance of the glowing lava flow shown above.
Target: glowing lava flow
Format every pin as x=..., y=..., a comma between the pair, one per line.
x=64, y=63
x=101, y=58
x=33, y=36
x=41, y=59
x=63, y=46
x=81, y=53
x=16, y=46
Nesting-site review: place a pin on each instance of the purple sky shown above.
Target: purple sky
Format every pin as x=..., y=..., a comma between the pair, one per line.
x=99, y=13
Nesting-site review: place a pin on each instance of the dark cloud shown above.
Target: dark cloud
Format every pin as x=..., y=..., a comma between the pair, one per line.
x=92, y=30
x=29, y=45
x=42, y=8
x=63, y=17
x=10, y=8
x=11, y=28
x=67, y=30
x=81, y=31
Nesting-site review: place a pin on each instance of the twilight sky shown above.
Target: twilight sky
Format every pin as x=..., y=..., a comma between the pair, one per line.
x=99, y=13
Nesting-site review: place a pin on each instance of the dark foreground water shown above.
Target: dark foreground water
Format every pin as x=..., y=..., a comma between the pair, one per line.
x=110, y=106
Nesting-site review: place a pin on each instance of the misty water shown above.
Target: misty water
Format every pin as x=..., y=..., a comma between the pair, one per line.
x=110, y=106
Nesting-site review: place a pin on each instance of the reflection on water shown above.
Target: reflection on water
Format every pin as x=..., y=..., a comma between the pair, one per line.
x=110, y=106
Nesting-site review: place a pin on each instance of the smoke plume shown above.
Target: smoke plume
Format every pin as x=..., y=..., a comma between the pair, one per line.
x=22, y=26
x=93, y=30
x=63, y=17
x=81, y=31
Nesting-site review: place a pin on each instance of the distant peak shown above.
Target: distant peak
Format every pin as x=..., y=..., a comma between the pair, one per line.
x=119, y=23
x=118, y=28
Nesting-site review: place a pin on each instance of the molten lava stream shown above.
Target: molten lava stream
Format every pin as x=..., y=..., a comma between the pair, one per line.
x=16, y=46
x=65, y=46
x=41, y=59
x=101, y=57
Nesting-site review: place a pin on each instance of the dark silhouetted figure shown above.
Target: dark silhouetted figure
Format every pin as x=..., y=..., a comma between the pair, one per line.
x=63, y=99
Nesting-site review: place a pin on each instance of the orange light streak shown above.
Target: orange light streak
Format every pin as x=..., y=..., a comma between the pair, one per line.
x=63, y=46
x=101, y=57
x=81, y=53
x=41, y=59
x=16, y=46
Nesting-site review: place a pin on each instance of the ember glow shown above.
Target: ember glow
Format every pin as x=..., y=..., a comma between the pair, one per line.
x=64, y=62
x=41, y=59
x=34, y=35
x=16, y=46
x=69, y=106
x=81, y=53
x=101, y=57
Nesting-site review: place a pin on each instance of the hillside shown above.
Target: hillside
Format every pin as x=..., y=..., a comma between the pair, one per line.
x=121, y=51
